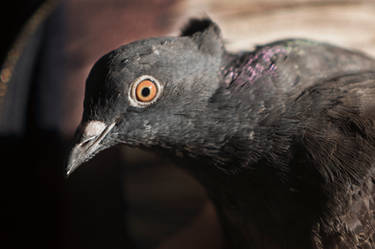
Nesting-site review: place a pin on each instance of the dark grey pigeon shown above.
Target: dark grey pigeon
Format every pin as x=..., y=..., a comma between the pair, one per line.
x=282, y=137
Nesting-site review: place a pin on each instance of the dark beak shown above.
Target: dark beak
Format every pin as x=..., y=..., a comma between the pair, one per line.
x=89, y=143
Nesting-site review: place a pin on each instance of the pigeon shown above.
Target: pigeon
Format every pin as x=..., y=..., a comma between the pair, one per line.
x=282, y=138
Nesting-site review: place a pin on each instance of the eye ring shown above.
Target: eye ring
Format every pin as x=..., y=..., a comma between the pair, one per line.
x=144, y=91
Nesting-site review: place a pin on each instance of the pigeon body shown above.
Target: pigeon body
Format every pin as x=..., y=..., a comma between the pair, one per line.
x=282, y=137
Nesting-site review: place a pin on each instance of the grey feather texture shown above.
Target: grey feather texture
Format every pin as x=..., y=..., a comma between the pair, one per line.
x=282, y=137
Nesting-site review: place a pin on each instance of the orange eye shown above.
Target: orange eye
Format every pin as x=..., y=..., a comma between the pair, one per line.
x=146, y=91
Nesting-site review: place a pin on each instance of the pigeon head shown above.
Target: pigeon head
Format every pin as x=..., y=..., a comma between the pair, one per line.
x=153, y=93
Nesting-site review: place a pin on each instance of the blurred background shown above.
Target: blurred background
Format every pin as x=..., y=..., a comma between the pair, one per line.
x=124, y=198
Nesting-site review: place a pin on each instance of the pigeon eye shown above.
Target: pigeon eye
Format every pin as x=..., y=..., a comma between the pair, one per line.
x=144, y=91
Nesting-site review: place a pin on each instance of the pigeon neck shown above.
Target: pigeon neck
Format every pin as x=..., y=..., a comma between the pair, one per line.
x=256, y=209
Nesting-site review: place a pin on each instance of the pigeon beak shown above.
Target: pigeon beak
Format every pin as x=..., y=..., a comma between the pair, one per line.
x=90, y=143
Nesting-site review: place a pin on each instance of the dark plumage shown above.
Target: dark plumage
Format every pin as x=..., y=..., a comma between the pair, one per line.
x=282, y=138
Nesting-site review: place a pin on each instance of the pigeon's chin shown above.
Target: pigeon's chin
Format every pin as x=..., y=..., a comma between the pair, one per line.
x=89, y=145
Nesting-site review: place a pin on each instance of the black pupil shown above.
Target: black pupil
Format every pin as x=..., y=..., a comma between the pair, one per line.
x=146, y=91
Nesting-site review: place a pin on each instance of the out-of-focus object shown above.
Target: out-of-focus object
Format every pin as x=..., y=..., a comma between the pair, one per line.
x=245, y=24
